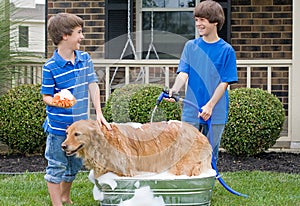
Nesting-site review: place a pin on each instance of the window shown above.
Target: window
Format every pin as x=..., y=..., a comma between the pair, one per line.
x=168, y=3
x=23, y=36
x=171, y=29
x=168, y=24
x=158, y=28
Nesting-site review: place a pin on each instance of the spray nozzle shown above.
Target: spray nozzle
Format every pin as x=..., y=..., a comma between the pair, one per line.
x=165, y=94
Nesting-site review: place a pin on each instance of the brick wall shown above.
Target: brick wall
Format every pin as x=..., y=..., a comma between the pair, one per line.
x=93, y=13
x=262, y=29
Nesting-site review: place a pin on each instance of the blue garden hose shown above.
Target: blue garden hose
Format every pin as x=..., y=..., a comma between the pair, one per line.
x=177, y=98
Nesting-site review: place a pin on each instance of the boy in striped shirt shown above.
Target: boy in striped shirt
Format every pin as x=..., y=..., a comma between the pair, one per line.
x=73, y=70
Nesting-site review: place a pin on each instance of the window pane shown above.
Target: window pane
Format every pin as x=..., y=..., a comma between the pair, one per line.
x=23, y=36
x=172, y=30
x=168, y=3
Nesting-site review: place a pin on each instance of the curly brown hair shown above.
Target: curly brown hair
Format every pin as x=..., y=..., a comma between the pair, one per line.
x=62, y=24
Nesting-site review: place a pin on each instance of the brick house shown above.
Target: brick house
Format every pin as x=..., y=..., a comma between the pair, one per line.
x=261, y=31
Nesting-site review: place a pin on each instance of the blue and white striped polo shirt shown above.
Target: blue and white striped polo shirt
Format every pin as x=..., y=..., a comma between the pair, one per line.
x=60, y=74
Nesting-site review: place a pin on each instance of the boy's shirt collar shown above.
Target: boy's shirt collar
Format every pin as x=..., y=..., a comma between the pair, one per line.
x=62, y=62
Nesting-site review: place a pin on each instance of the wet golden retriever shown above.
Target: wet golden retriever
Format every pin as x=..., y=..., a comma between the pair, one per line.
x=130, y=149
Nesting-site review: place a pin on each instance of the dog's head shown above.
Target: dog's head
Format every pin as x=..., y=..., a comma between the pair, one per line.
x=78, y=135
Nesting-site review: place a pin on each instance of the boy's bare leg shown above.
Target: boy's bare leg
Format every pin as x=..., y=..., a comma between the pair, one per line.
x=65, y=188
x=55, y=193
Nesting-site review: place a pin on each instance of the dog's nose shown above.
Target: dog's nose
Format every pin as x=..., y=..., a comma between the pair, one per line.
x=64, y=146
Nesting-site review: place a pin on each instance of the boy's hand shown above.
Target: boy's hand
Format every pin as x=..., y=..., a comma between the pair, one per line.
x=102, y=120
x=206, y=112
x=170, y=99
x=64, y=99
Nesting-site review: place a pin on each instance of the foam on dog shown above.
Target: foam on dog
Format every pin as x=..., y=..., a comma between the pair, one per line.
x=174, y=146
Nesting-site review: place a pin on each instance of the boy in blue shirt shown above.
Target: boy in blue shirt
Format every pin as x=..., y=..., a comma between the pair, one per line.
x=73, y=70
x=208, y=65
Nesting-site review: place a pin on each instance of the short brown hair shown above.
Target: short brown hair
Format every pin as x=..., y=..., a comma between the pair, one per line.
x=61, y=24
x=212, y=11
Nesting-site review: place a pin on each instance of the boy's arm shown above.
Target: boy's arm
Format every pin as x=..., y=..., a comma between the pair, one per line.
x=209, y=106
x=179, y=82
x=95, y=96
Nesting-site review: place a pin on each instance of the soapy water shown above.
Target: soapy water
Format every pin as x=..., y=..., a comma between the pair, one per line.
x=143, y=195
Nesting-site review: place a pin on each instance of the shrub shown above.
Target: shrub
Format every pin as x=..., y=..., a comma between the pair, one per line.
x=135, y=103
x=255, y=121
x=22, y=113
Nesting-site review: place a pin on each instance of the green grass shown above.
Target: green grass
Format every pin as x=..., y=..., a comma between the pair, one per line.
x=263, y=188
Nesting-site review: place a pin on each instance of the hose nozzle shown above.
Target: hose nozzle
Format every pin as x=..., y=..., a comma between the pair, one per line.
x=165, y=94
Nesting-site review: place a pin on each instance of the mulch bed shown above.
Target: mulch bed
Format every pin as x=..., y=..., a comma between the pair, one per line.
x=268, y=161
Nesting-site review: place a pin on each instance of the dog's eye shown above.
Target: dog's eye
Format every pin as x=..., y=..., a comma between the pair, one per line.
x=77, y=134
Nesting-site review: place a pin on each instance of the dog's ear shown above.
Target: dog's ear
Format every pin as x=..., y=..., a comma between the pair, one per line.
x=95, y=129
x=67, y=129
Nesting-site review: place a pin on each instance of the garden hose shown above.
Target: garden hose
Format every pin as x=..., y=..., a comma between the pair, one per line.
x=176, y=97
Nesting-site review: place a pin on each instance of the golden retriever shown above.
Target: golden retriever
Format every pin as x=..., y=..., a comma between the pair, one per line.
x=130, y=149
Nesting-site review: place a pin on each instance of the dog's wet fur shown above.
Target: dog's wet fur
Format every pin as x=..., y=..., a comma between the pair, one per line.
x=129, y=150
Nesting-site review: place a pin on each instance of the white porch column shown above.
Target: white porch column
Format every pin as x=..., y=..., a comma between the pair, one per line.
x=294, y=114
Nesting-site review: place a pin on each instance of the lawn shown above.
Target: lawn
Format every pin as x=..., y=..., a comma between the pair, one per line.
x=263, y=188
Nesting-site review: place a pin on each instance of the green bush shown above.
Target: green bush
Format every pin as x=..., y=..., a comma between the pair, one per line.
x=135, y=103
x=22, y=113
x=255, y=121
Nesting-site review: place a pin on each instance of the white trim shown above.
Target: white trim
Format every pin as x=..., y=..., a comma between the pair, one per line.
x=294, y=101
x=139, y=26
x=157, y=9
x=22, y=21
